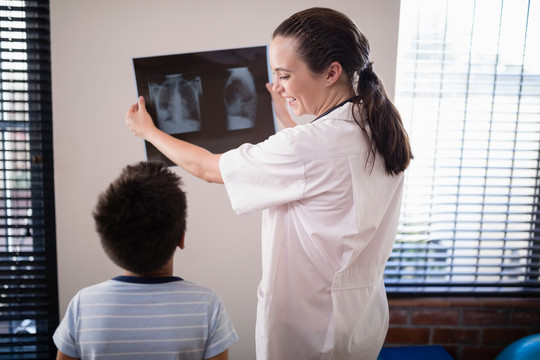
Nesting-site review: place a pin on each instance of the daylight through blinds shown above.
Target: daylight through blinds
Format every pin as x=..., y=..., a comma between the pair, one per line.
x=468, y=88
x=28, y=292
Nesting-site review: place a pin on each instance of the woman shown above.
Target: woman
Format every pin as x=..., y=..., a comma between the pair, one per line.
x=330, y=191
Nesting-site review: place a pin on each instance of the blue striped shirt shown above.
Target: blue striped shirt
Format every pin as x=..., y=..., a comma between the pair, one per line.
x=145, y=318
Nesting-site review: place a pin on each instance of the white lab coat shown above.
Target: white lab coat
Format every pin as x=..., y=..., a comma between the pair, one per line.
x=329, y=224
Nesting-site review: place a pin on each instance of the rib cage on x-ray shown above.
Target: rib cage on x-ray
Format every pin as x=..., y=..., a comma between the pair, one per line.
x=177, y=101
x=240, y=99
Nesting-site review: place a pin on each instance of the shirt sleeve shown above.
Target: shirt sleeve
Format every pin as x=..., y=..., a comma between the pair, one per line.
x=64, y=336
x=264, y=175
x=221, y=332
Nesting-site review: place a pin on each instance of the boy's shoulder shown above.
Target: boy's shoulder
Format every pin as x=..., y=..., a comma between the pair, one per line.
x=131, y=286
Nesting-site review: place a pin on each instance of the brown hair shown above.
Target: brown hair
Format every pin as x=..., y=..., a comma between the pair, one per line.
x=324, y=36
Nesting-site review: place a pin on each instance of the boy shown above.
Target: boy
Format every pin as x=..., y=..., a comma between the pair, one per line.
x=147, y=313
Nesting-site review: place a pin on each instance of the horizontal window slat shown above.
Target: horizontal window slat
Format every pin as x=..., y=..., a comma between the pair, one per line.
x=458, y=246
x=22, y=338
x=443, y=282
x=14, y=289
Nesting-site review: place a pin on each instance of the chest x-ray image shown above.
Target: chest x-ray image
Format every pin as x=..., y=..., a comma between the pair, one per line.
x=214, y=99
x=240, y=99
x=177, y=100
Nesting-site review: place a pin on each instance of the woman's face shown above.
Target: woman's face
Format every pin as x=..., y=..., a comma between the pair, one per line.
x=293, y=80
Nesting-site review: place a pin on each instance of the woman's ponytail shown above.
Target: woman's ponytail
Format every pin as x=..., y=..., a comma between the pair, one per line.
x=386, y=133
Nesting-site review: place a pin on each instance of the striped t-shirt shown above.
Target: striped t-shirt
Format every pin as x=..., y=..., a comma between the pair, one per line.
x=145, y=318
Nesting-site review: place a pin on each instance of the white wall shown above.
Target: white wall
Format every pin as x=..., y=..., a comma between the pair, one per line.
x=93, y=43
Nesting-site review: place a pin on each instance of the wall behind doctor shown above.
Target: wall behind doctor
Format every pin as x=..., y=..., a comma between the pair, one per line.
x=93, y=43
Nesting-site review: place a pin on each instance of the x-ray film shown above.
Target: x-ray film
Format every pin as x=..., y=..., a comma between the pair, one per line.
x=214, y=99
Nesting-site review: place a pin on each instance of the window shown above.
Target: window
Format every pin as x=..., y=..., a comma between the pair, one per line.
x=28, y=281
x=468, y=89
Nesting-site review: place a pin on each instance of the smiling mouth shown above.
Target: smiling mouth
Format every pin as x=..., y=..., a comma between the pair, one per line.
x=291, y=101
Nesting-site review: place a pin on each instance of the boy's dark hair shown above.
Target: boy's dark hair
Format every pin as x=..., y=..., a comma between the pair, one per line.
x=141, y=217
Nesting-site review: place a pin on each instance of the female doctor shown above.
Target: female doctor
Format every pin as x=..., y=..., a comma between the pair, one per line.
x=330, y=191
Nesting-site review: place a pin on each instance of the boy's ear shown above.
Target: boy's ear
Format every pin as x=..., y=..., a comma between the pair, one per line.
x=333, y=73
x=181, y=243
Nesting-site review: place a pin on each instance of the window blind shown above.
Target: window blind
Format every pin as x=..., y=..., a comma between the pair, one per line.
x=468, y=89
x=28, y=285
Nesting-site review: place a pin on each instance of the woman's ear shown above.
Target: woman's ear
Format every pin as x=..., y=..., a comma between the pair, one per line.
x=181, y=243
x=333, y=73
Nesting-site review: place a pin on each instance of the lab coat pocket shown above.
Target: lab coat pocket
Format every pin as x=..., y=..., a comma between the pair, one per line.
x=357, y=277
x=360, y=312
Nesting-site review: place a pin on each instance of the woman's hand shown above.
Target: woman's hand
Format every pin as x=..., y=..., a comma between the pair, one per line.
x=138, y=120
x=280, y=107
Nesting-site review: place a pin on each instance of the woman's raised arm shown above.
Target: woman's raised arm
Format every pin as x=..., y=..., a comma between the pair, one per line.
x=192, y=158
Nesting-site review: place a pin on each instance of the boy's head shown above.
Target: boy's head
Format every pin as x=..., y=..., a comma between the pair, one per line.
x=141, y=217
